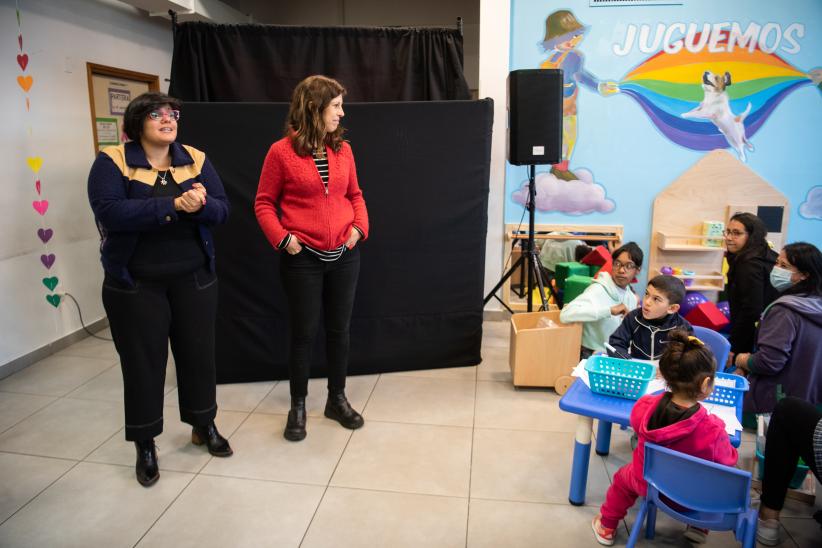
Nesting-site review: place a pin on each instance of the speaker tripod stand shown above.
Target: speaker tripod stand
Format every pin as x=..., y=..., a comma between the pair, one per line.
x=528, y=260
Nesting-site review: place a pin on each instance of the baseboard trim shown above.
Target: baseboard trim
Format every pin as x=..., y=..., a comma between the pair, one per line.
x=43, y=352
x=496, y=315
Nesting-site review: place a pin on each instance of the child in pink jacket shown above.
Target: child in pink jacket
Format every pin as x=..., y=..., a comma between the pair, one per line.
x=675, y=420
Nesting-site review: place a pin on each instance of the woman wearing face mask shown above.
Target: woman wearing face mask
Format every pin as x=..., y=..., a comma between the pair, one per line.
x=787, y=361
x=750, y=261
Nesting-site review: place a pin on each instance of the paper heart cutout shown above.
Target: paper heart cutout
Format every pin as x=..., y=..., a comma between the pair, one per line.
x=20, y=41
x=45, y=234
x=51, y=283
x=35, y=163
x=48, y=260
x=41, y=206
x=23, y=61
x=37, y=186
x=54, y=300
x=25, y=82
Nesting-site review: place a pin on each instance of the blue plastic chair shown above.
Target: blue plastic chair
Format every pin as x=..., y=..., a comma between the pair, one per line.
x=718, y=344
x=713, y=496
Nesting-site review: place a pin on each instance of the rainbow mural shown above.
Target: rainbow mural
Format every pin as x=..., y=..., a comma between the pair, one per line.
x=669, y=85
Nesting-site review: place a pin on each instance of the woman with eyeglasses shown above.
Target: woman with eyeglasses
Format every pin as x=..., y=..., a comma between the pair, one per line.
x=787, y=360
x=750, y=260
x=154, y=201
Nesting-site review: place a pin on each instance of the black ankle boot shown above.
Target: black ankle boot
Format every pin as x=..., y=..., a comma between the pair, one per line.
x=217, y=445
x=147, y=469
x=295, y=427
x=338, y=409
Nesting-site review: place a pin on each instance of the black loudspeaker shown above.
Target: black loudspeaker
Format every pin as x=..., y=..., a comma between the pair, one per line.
x=535, y=116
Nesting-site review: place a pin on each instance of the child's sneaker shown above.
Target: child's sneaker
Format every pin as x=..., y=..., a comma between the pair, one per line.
x=604, y=535
x=767, y=531
x=696, y=535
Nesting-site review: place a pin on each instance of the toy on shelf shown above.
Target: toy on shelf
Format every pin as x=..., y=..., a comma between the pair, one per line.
x=574, y=286
x=691, y=300
x=598, y=256
x=565, y=270
x=688, y=281
x=713, y=228
x=666, y=270
x=707, y=315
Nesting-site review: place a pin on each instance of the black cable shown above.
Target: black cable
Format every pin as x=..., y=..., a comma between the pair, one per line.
x=80, y=313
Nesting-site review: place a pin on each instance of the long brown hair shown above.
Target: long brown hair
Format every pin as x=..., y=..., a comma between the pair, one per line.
x=304, y=123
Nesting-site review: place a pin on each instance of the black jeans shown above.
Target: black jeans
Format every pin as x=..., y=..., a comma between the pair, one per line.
x=790, y=436
x=143, y=320
x=314, y=286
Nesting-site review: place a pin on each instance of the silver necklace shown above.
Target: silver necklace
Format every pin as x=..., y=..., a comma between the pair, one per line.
x=163, y=177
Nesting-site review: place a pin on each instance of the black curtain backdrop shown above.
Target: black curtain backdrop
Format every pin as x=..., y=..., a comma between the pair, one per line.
x=424, y=170
x=248, y=63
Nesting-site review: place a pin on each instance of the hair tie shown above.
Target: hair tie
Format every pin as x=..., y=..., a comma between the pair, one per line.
x=691, y=338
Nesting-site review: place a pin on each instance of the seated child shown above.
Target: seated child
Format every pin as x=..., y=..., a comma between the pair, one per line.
x=602, y=305
x=644, y=331
x=675, y=420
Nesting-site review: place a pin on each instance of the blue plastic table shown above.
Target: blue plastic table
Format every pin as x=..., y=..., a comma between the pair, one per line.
x=609, y=410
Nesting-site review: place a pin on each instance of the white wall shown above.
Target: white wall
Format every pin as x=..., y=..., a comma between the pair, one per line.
x=59, y=38
x=493, y=70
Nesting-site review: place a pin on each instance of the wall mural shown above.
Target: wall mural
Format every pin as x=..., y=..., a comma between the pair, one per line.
x=703, y=86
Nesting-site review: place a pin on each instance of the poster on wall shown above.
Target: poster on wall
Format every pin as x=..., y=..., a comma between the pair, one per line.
x=111, y=89
x=107, y=133
x=649, y=90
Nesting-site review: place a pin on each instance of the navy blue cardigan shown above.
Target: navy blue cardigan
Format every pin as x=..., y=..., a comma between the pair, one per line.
x=120, y=188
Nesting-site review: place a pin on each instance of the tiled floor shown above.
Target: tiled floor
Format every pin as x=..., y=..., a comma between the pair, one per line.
x=453, y=457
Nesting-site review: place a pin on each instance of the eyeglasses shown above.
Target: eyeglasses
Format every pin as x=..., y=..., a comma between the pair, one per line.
x=158, y=115
x=618, y=265
x=734, y=233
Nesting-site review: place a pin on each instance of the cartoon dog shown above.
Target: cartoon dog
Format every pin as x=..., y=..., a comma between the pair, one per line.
x=716, y=108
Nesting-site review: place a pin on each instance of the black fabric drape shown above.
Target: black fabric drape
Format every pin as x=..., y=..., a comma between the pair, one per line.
x=248, y=63
x=424, y=169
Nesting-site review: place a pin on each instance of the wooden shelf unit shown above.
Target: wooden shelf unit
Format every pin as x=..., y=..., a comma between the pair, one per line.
x=587, y=233
x=713, y=189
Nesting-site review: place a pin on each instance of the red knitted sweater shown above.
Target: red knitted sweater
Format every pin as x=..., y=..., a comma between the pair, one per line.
x=291, y=184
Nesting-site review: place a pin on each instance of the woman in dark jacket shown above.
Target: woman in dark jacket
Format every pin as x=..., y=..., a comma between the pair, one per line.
x=154, y=201
x=750, y=261
x=787, y=361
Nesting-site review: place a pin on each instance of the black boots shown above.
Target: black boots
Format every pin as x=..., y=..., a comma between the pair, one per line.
x=148, y=472
x=338, y=409
x=295, y=427
x=217, y=445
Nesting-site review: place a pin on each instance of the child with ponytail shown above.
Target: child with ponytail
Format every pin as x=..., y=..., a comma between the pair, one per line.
x=673, y=419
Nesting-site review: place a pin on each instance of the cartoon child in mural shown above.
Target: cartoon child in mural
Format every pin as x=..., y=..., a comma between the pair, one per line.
x=563, y=33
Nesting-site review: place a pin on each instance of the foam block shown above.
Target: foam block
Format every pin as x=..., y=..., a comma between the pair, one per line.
x=598, y=256
x=707, y=315
x=564, y=270
x=574, y=286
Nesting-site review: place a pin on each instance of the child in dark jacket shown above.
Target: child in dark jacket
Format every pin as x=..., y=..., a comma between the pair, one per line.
x=643, y=333
x=675, y=420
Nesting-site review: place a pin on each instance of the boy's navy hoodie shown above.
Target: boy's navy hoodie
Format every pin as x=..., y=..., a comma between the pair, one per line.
x=644, y=339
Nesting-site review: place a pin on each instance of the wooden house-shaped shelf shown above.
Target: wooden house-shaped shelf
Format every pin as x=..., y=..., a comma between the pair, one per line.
x=713, y=189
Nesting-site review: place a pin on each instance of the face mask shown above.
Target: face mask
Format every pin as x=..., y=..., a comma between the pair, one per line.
x=781, y=278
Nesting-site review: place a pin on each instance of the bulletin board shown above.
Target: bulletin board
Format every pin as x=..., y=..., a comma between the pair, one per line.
x=110, y=90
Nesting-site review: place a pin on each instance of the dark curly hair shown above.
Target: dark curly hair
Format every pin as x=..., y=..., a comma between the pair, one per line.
x=686, y=363
x=140, y=106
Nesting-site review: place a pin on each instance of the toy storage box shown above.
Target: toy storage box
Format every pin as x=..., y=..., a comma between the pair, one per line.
x=540, y=355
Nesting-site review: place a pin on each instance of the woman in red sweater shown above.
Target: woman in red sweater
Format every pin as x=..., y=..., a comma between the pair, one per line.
x=310, y=205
